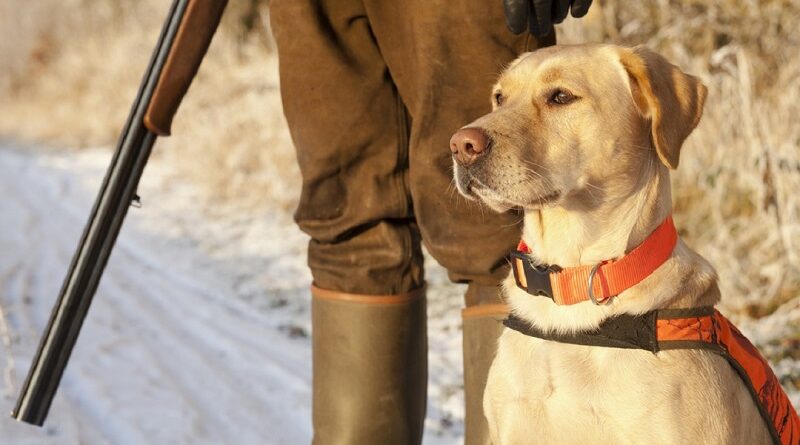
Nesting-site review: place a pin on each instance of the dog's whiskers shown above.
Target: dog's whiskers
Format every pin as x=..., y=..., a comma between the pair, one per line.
x=547, y=181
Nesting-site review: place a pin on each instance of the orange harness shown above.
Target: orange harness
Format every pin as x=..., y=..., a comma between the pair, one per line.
x=654, y=331
x=697, y=328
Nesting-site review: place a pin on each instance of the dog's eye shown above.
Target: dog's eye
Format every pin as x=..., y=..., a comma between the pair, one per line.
x=499, y=98
x=561, y=97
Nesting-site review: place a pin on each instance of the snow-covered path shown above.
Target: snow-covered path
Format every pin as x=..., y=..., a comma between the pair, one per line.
x=198, y=333
x=165, y=356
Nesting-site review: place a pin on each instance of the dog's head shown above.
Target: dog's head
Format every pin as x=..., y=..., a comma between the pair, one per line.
x=573, y=125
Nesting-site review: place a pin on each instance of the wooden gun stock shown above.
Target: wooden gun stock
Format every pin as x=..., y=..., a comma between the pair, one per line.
x=199, y=23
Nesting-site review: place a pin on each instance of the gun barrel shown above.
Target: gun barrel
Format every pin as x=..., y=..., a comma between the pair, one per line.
x=105, y=221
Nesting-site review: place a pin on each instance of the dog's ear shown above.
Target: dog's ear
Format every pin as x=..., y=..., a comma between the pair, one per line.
x=671, y=99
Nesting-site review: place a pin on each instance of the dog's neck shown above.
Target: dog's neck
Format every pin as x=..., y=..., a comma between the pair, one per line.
x=572, y=235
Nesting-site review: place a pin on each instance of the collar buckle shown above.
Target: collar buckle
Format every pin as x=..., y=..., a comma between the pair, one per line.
x=533, y=278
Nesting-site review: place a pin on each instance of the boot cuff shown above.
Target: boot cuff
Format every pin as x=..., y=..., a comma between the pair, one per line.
x=327, y=294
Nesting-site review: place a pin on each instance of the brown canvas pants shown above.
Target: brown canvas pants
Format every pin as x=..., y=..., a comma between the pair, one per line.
x=372, y=92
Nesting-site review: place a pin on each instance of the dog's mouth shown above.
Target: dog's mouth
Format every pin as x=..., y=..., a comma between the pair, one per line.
x=525, y=195
x=476, y=190
x=494, y=200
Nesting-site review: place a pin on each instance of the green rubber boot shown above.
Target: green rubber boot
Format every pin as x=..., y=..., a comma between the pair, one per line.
x=370, y=368
x=482, y=326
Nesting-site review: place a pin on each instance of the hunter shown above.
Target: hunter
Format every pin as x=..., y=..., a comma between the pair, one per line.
x=372, y=91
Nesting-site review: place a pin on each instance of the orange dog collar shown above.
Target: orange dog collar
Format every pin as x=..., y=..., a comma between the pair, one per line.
x=600, y=282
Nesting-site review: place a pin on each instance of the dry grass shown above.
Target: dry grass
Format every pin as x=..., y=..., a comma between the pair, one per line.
x=71, y=67
x=74, y=66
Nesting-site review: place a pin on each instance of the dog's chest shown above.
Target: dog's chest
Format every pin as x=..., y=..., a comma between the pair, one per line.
x=562, y=393
x=573, y=377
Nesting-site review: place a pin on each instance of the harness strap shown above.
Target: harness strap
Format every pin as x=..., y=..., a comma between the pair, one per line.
x=608, y=279
x=695, y=328
x=626, y=331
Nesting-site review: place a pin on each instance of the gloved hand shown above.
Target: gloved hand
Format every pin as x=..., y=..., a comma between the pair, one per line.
x=541, y=15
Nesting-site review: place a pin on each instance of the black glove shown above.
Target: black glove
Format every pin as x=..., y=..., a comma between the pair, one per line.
x=541, y=15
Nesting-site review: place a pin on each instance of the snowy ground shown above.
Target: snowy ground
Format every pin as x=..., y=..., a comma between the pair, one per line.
x=199, y=331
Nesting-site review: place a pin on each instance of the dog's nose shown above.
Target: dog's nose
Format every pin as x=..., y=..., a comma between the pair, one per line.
x=468, y=144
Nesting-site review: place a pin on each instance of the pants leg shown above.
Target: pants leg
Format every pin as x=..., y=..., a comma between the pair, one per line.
x=444, y=56
x=350, y=129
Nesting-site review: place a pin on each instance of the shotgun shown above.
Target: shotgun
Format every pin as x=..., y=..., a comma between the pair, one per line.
x=183, y=42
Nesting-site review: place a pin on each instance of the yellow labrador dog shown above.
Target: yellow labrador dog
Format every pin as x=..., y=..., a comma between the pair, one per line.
x=582, y=138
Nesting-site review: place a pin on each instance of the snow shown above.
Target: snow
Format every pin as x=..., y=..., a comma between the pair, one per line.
x=166, y=355
x=199, y=330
